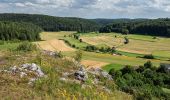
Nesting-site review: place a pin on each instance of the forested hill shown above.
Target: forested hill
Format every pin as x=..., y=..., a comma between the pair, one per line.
x=19, y=31
x=155, y=27
x=50, y=23
x=103, y=22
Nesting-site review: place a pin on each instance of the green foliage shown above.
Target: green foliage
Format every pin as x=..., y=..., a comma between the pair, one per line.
x=155, y=27
x=1, y=42
x=19, y=30
x=26, y=46
x=126, y=40
x=78, y=56
x=50, y=23
x=93, y=48
x=145, y=83
x=125, y=31
x=150, y=56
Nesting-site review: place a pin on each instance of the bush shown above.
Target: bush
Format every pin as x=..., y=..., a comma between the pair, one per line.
x=26, y=46
x=126, y=40
x=74, y=46
x=78, y=55
x=148, y=64
x=149, y=56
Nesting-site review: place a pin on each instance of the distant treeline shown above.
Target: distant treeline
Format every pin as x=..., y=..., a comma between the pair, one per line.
x=157, y=27
x=21, y=31
x=50, y=23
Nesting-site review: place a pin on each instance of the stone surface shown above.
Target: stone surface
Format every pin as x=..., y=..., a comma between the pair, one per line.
x=81, y=74
x=26, y=69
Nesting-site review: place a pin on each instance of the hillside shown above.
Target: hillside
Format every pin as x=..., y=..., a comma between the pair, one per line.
x=51, y=23
x=154, y=27
x=19, y=31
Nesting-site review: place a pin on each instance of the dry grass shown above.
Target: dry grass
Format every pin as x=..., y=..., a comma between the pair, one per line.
x=94, y=64
x=51, y=41
x=54, y=45
x=146, y=47
x=138, y=43
x=97, y=40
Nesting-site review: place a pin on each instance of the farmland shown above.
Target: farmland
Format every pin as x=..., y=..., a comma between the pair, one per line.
x=129, y=56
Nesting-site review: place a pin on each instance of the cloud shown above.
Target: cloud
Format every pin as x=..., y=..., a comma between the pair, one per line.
x=90, y=8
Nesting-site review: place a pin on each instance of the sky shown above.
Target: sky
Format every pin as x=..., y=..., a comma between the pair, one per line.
x=90, y=8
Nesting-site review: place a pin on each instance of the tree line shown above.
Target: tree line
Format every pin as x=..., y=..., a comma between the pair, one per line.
x=50, y=23
x=156, y=27
x=20, y=31
x=144, y=82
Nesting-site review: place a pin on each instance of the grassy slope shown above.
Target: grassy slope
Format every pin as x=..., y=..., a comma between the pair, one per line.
x=8, y=46
x=13, y=87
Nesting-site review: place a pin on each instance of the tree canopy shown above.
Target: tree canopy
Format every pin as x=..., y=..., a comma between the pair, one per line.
x=51, y=23
x=156, y=27
x=21, y=31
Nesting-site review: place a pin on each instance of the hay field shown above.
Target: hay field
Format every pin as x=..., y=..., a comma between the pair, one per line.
x=54, y=45
x=140, y=44
x=93, y=64
x=51, y=41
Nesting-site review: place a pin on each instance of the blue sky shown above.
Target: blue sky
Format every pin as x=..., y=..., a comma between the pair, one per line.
x=90, y=8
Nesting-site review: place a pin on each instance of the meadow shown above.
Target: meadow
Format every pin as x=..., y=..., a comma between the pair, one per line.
x=107, y=61
x=54, y=41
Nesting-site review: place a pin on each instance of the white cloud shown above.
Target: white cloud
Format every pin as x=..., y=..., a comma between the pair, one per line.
x=90, y=8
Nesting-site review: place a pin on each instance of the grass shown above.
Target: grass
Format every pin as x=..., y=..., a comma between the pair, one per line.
x=75, y=42
x=8, y=46
x=121, y=60
x=162, y=54
x=166, y=90
x=115, y=66
x=103, y=40
x=13, y=87
x=139, y=44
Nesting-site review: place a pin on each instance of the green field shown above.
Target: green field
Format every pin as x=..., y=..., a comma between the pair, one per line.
x=8, y=46
x=105, y=39
x=114, y=61
x=139, y=44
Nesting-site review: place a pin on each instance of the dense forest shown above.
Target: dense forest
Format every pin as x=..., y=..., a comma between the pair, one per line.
x=20, y=31
x=104, y=22
x=50, y=23
x=157, y=27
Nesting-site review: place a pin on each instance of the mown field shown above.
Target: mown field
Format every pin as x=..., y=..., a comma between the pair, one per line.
x=107, y=60
x=54, y=41
x=139, y=44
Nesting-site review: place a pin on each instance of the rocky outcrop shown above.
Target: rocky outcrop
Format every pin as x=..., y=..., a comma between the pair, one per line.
x=31, y=71
x=81, y=74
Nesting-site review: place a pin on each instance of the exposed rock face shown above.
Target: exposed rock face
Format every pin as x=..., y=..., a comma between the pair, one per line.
x=100, y=72
x=25, y=70
x=50, y=53
x=81, y=74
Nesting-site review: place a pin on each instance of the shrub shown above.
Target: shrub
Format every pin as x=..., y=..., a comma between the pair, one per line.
x=74, y=46
x=126, y=40
x=81, y=40
x=148, y=64
x=150, y=56
x=78, y=55
x=26, y=46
